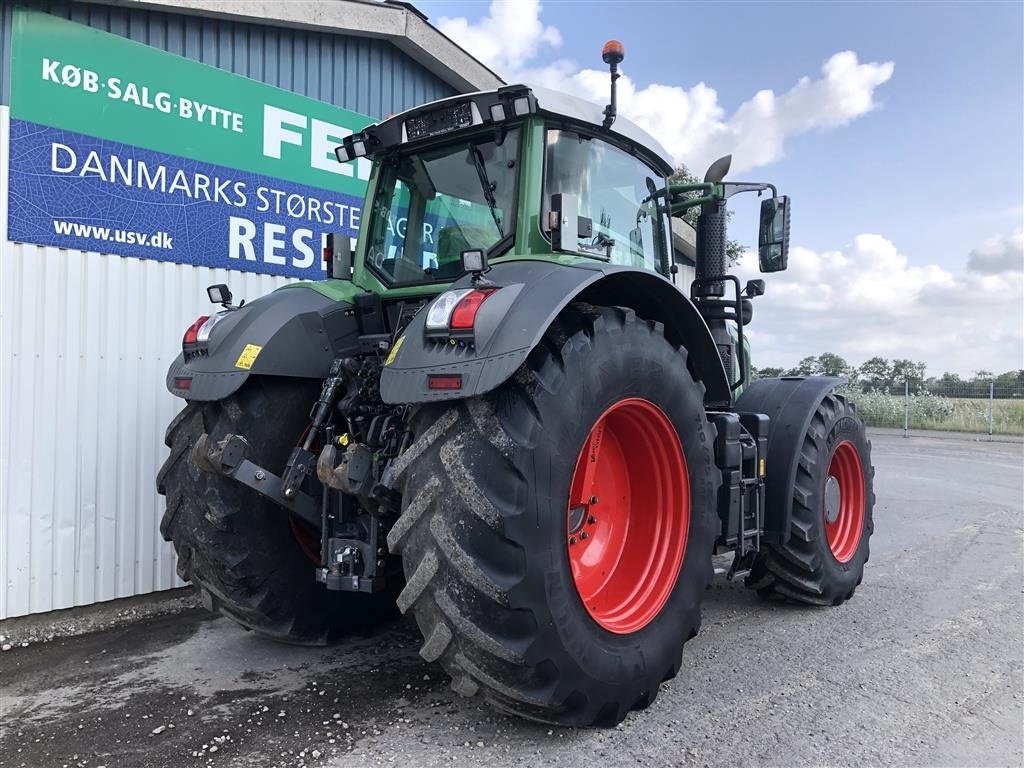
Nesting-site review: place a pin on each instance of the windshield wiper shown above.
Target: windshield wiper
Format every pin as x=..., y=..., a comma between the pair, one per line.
x=487, y=185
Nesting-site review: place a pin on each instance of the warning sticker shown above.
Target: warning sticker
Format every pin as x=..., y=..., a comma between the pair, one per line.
x=394, y=351
x=248, y=356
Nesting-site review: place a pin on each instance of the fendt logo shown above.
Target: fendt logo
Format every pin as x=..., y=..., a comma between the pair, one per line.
x=281, y=126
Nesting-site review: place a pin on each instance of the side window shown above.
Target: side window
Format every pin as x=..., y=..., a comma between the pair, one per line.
x=611, y=187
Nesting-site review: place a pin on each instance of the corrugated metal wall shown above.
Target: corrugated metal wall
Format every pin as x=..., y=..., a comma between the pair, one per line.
x=86, y=338
x=85, y=342
x=357, y=73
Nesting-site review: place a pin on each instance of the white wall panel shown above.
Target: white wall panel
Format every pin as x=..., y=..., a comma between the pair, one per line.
x=85, y=342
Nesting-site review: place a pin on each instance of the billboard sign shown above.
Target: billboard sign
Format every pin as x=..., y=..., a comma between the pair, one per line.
x=121, y=148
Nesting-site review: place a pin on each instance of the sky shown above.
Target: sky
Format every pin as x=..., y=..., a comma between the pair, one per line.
x=896, y=128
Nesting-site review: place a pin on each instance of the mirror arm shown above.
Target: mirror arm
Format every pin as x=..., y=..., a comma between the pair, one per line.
x=734, y=188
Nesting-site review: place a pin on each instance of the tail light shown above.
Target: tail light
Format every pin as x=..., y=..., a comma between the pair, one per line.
x=464, y=314
x=192, y=332
x=456, y=310
x=198, y=334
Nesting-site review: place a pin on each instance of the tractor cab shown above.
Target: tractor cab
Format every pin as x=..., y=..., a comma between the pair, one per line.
x=528, y=174
x=517, y=173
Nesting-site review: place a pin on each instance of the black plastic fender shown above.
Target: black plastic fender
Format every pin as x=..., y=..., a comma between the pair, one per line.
x=790, y=404
x=513, y=320
x=293, y=332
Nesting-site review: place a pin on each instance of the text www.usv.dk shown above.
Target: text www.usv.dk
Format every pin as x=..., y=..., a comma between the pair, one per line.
x=154, y=240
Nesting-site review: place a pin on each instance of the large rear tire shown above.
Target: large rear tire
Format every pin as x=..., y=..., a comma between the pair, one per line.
x=833, y=501
x=240, y=549
x=491, y=524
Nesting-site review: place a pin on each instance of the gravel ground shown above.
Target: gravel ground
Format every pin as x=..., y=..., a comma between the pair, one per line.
x=924, y=667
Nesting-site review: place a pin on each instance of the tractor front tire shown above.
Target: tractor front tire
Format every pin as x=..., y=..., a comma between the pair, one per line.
x=823, y=561
x=552, y=603
x=238, y=548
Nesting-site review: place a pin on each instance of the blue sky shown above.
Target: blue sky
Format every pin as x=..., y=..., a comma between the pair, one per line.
x=934, y=165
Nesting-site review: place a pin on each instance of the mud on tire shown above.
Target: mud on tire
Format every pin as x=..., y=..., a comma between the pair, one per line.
x=237, y=547
x=483, y=530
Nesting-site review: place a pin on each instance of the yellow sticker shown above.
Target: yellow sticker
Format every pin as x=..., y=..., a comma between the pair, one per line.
x=394, y=351
x=761, y=468
x=248, y=356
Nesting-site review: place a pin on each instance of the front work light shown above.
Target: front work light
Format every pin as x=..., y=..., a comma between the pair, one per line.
x=474, y=261
x=497, y=112
x=219, y=294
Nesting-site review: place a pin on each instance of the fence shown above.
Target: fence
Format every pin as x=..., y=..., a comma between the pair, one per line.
x=987, y=408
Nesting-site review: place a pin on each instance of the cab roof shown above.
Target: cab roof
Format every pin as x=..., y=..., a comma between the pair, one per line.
x=557, y=103
x=467, y=110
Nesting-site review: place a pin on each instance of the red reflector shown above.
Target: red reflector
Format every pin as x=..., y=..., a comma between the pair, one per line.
x=464, y=314
x=327, y=255
x=183, y=382
x=444, y=381
x=192, y=332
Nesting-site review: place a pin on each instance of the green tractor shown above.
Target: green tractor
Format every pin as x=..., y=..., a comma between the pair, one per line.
x=505, y=413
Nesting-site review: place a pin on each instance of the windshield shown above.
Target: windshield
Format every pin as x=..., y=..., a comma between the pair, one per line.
x=432, y=206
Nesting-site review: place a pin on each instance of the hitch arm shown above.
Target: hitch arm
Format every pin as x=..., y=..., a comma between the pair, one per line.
x=228, y=458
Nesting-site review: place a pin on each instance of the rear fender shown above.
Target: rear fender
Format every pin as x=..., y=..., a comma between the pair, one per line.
x=512, y=322
x=790, y=404
x=294, y=332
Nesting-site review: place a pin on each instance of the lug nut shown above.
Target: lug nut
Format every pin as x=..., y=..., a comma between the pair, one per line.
x=593, y=499
x=260, y=474
x=572, y=539
x=591, y=519
x=584, y=535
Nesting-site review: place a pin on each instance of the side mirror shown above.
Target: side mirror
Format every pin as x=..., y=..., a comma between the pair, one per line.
x=773, y=236
x=338, y=255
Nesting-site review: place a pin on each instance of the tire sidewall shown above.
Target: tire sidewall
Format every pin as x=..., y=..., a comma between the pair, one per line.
x=616, y=363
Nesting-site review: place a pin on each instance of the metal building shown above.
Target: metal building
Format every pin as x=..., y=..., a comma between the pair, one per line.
x=86, y=335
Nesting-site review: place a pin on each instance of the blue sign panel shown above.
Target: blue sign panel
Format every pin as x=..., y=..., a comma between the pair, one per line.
x=84, y=193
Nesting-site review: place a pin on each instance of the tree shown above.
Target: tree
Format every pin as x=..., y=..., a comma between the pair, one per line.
x=830, y=364
x=876, y=374
x=908, y=371
x=733, y=248
x=806, y=367
x=768, y=373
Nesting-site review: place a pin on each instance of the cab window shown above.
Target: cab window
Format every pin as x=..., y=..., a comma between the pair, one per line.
x=612, y=188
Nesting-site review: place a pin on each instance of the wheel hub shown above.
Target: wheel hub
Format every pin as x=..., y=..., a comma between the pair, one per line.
x=844, y=502
x=832, y=499
x=628, y=516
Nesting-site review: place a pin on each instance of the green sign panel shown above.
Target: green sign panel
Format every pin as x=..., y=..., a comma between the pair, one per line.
x=66, y=75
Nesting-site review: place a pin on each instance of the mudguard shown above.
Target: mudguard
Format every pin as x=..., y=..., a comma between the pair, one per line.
x=790, y=404
x=293, y=332
x=513, y=320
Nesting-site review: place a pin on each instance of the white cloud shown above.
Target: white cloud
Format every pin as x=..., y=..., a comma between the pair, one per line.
x=510, y=34
x=864, y=300
x=690, y=122
x=868, y=299
x=999, y=254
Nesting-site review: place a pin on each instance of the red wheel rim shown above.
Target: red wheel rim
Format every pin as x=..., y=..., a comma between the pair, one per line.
x=628, y=515
x=844, y=516
x=308, y=539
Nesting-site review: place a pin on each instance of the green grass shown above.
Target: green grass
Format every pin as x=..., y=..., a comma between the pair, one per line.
x=928, y=411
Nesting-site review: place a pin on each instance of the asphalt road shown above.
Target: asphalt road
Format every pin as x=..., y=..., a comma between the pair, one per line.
x=924, y=667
